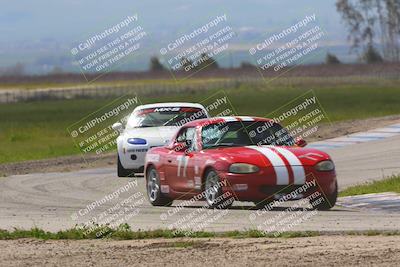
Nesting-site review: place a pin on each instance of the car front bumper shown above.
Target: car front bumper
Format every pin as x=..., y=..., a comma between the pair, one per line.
x=261, y=186
x=133, y=156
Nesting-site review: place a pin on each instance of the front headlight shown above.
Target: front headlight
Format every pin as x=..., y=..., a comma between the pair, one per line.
x=325, y=166
x=243, y=168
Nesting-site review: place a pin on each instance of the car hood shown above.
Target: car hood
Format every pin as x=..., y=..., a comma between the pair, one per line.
x=265, y=156
x=153, y=135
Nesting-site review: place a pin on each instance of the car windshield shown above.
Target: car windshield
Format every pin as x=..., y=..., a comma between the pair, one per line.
x=246, y=133
x=164, y=116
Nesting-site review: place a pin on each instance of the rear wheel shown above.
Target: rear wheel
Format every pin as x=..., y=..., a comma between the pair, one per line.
x=154, y=194
x=213, y=192
x=329, y=200
x=122, y=172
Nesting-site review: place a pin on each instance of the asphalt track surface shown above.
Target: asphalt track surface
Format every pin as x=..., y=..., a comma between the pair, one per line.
x=55, y=201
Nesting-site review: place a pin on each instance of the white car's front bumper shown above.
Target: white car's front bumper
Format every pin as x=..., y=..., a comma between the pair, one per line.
x=133, y=156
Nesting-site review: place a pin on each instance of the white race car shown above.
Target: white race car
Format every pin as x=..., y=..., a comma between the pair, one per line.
x=151, y=126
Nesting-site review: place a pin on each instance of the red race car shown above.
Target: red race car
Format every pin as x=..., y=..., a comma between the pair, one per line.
x=248, y=158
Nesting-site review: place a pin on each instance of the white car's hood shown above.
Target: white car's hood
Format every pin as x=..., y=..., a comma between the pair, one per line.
x=153, y=135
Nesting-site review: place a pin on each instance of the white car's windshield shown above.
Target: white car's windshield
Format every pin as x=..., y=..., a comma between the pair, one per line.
x=164, y=116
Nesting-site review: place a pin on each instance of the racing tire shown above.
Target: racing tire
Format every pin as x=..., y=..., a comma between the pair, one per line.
x=153, y=187
x=329, y=200
x=213, y=192
x=122, y=172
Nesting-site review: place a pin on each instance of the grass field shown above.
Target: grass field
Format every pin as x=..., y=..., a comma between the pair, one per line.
x=123, y=232
x=38, y=130
x=50, y=85
x=391, y=184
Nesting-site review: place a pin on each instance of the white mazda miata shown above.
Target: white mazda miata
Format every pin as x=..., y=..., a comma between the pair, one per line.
x=151, y=126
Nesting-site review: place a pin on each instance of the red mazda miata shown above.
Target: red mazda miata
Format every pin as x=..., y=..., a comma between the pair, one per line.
x=247, y=158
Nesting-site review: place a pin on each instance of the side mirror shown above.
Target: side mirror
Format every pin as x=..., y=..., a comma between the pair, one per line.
x=118, y=127
x=300, y=142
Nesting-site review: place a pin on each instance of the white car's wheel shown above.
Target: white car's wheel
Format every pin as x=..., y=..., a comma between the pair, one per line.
x=122, y=172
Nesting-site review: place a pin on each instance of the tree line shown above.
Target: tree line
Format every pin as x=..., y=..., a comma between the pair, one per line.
x=374, y=28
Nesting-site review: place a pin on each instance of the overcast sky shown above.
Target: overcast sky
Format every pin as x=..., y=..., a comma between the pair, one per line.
x=41, y=33
x=66, y=20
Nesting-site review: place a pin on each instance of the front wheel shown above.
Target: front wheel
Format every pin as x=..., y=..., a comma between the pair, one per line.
x=154, y=194
x=122, y=172
x=213, y=192
x=329, y=200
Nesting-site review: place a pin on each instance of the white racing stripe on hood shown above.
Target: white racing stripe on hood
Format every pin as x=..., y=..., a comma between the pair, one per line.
x=282, y=174
x=295, y=164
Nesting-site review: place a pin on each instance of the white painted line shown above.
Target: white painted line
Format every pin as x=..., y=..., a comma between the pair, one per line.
x=356, y=138
x=388, y=130
x=377, y=134
x=329, y=144
x=388, y=201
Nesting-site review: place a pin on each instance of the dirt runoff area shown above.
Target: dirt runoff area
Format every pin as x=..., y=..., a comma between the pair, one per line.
x=72, y=163
x=304, y=251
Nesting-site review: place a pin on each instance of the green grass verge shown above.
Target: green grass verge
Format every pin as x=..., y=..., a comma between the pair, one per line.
x=391, y=184
x=37, y=130
x=125, y=233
